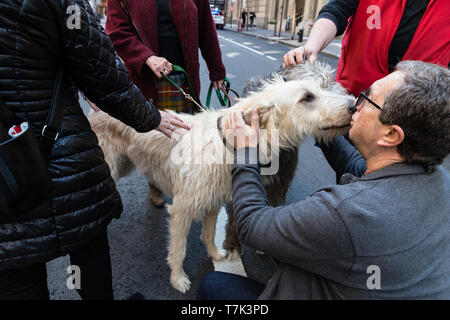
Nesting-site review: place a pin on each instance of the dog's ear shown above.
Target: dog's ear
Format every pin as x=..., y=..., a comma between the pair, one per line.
x=266, y=115
x=267, y=123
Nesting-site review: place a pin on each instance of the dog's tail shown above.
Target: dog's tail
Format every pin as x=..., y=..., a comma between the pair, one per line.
x=114, y=138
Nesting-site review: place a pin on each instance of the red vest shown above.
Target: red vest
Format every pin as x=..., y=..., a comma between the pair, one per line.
x=365, y=47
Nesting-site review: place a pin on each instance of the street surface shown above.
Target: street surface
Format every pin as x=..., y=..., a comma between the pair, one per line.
x=138, y=240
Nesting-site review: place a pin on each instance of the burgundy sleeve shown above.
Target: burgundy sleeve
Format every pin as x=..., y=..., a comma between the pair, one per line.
x=123, y=34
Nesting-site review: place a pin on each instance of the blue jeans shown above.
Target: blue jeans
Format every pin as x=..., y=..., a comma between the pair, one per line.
x=227, y=286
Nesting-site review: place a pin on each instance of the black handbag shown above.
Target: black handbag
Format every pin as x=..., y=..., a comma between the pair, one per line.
x=24, y=178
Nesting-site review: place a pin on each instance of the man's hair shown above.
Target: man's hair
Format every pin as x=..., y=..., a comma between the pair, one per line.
x=421, y=107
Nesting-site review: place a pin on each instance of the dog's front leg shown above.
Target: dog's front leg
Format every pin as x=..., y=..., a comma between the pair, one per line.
x=179, y=225
x=231, y=242
x=276, y=194
x=208, y=234
x=277, y=190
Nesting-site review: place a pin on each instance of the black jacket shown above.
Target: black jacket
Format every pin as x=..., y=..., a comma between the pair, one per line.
x=35, y=35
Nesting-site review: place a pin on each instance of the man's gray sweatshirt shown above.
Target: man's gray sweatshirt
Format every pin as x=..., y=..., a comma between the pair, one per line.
x=385, y=235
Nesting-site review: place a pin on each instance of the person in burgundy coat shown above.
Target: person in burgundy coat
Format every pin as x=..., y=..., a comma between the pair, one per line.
x=152, y=35
x=168, y=32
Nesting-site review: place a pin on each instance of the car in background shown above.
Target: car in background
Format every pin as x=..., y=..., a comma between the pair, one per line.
x=218, y=17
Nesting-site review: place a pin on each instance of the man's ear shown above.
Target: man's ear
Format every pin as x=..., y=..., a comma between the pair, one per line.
x=392, y=137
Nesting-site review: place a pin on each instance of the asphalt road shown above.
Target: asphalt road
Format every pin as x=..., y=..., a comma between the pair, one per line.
x=138, y=240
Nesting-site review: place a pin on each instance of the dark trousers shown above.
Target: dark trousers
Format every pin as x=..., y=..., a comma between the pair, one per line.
x=227, y=286
x=30, y=283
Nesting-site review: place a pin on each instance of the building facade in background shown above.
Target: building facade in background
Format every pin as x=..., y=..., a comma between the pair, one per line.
x=276, y=14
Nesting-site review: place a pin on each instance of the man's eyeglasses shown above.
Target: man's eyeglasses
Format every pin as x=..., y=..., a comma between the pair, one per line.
x=364, y=95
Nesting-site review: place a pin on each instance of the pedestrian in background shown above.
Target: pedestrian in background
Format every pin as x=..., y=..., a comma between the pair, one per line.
x=378, y=34
x=36, y=37
x=244, y=17
x=252, y=18
x=152, y=35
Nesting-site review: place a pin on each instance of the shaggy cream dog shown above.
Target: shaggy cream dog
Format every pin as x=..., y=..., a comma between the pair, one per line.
x=194, y=169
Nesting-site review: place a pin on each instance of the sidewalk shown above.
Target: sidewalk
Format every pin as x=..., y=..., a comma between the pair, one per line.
x=333, y=49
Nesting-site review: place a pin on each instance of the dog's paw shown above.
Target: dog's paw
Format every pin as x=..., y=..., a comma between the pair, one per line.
x=220, y=255
x=181, y=282
x=233, y=254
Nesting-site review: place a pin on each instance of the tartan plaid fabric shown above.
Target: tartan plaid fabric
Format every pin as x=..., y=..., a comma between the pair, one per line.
x=169, y=98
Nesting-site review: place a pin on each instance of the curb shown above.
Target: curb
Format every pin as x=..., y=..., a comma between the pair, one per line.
x=325, y=51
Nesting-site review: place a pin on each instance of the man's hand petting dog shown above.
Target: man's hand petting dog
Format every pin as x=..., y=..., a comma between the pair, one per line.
x=243, y=134
x=170, y=123
x=301, y=55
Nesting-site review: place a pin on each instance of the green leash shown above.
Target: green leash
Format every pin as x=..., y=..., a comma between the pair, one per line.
x=224, y=100
x=186, y=95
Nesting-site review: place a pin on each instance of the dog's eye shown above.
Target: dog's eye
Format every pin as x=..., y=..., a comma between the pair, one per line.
x=308, y=97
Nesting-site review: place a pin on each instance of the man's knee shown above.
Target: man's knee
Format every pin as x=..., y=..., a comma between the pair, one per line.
x=208, y=285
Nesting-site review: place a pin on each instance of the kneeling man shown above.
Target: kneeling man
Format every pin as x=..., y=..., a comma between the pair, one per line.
x=384, y=235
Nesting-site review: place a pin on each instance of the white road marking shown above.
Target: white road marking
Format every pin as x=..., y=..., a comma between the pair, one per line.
x=243, y=46
x=271, y=52
x=234, y=266
x=232, y=54
x=271, y=58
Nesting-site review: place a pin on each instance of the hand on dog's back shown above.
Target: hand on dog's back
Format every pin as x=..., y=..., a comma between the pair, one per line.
x=169, y=123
